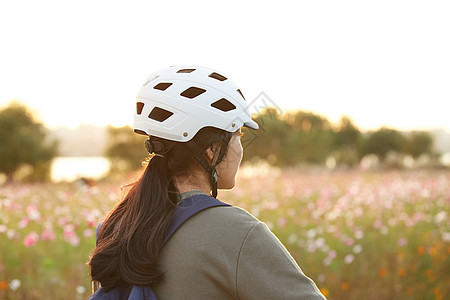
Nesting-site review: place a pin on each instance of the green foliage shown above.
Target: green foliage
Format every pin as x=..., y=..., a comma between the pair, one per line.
x=303, y=137
x=418, y=143
x=307, y=121
x=25, y=152
x=126, y=149
x=346, y=140
x=383, y=141
x=347, y=134
x=296, y=137
x=268, y=142
x=311, y=137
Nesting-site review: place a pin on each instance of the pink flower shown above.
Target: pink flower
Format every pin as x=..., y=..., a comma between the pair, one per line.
x=350, y=242
x=378, y=224
x=282, y=222
x=74, y=240
x=33, y=212
x=48, y=234
x=332, y=254
x=23, y=223
x=62, y=221
x=30, y=239
x=402, y=242
x=88, y=232
x=68, y=227
x=69, y=234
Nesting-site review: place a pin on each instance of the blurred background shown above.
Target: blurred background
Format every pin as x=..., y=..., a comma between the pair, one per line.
x=350, y=168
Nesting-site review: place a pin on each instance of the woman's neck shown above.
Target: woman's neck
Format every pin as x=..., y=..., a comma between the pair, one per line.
x=195, y=181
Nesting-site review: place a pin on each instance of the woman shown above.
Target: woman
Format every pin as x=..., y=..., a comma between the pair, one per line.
x=193, y=117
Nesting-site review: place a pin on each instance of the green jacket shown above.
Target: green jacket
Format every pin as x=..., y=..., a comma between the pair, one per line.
x=226, y=253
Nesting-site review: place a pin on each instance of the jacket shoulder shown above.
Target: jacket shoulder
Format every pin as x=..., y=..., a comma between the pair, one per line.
x=222, y=225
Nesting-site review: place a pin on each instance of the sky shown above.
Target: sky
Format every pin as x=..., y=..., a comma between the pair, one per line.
x=381, y=63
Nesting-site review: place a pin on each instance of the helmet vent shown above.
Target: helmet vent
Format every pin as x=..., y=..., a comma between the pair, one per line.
x=159, y=114
x=239, y=91
x=192, y=92
x=162, y=86
x=217, y=76
x=186, y=71
x=223, y=105
x=138, y=131
x=139, y=107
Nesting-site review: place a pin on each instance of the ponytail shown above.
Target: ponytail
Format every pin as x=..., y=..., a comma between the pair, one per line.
x=126, y=249
x=131, y=238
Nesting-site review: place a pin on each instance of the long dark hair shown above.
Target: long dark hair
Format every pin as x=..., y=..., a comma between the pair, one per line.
x=130, y=240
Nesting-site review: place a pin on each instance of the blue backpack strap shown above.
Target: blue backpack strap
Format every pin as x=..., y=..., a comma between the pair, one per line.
x=122, y=292
x=142, y=293
x=186, y=209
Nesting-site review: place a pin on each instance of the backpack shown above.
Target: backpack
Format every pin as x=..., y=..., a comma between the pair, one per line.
x=186, y=209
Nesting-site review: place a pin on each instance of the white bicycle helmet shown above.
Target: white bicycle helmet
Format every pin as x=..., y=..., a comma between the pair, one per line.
x=176, y=102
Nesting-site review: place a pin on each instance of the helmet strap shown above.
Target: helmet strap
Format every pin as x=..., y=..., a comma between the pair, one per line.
x=211, y=169
x=214, y=182
x=212, y=173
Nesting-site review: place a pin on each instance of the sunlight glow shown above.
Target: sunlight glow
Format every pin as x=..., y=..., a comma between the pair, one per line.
x=381, y=63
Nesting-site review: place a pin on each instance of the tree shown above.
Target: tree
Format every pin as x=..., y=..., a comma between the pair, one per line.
x=126, y=149
x=346, y=139
x=308, y=121
x=418, y=143
x=269, y=142
x=310, y=138
x=289, y=139
x=383, y=141
x=24, y=144
x=347, y=134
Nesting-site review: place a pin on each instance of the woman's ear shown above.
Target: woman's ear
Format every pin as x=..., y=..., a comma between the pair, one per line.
x=209, y=154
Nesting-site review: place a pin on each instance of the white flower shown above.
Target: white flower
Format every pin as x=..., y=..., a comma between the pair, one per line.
x=359, y=234
x=10, y=233
x=14, y=284
x=357, y=249
x=80, y=289
x=327, y=261
x=325, y=248
x=292, y=239
x=332, y=254
x=311, y=233
x=319, y=242
x=440, y=217
x=349, y=258
x=446, y=236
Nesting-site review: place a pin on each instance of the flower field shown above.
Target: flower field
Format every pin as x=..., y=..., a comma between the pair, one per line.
x=358, y=235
